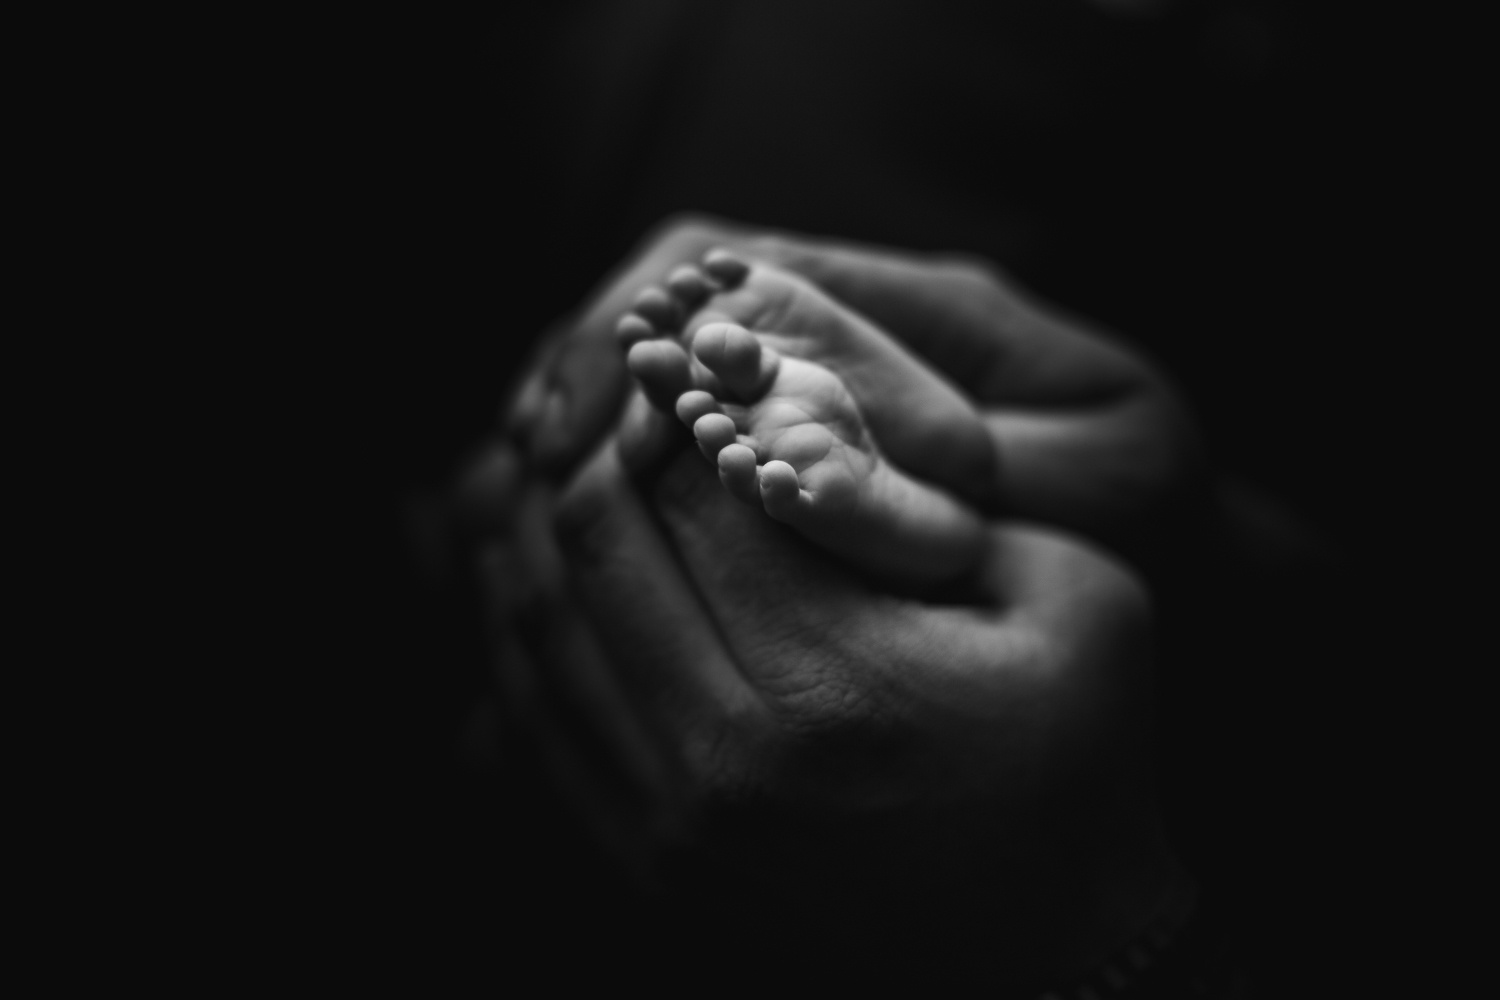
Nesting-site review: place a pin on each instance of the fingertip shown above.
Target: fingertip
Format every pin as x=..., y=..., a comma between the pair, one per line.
x=526, y=408
x=550, y=438
x=485, y=493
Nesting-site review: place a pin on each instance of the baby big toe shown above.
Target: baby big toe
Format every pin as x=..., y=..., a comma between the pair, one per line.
x=735, y=355
x=725, y=267
x=661, y=366
x=737, y=472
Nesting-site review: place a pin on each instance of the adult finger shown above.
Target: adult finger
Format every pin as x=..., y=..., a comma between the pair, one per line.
x=962, y=316
x=582, y=679
x=647, y=614
x=487, y=488
x=1048, y=602
x=647, y=438
x=609, y=809
x=1090, y=435
x=828, y=648
x=560, y=691
x=966, y=318
x=1100, y=469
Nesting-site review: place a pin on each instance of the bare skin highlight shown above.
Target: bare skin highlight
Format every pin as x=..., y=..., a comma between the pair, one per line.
x=814, y=414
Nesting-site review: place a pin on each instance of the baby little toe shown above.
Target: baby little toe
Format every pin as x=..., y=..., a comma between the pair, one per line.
x=657, y=307
x=737, y=472
x=661, y=366
x=632, y=328
x=725, y=266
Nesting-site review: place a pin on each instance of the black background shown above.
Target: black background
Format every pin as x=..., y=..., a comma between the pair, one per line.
x=1266, y=197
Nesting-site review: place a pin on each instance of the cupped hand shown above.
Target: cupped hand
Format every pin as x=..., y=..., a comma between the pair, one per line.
x=734, y=712
x=742, y=719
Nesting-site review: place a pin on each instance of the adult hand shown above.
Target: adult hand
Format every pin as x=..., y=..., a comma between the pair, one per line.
x=740, y=716
x=706, y=687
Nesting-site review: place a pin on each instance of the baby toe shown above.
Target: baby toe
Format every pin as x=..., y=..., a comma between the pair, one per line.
x=732, y=353
x=661, y=366
x=779, y=490
x=689, y=285
x=725, y=267
x=632, y=328
x=714, y=432
x=656, y=306
x=694, y=404
x=737, y=472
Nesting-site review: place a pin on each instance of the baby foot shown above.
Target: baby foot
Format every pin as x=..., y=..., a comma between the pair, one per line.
x=788, y=435
x=923, y=423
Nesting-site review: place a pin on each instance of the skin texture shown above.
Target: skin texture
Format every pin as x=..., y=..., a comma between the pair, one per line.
x=956, y=789
x=754, y=722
